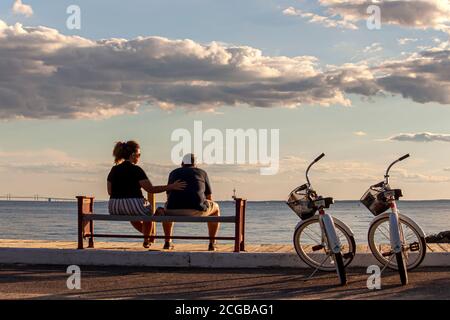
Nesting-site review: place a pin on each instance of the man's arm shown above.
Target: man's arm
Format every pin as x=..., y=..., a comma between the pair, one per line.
x=208, y=191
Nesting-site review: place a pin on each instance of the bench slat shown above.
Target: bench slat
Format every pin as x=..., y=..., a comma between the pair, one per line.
x=106, y=217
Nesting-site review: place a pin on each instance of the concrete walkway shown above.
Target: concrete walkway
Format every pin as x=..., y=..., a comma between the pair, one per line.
x=38, y=252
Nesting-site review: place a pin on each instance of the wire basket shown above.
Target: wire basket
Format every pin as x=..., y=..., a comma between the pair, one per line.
x=375, y=202
x=301, y=205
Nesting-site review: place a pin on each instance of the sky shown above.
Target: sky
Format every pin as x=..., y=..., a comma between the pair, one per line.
x=139, y=70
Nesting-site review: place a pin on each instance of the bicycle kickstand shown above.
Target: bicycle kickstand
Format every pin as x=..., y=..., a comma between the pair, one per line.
x=385, y=266
x=317, y=269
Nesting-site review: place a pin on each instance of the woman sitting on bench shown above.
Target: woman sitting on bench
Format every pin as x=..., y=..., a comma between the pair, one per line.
x=124, y=187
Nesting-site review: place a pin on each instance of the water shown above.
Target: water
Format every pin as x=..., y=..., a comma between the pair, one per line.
x=266, y=222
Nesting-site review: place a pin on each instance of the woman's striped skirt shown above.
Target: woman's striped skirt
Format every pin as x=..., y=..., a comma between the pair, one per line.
x=130, y=207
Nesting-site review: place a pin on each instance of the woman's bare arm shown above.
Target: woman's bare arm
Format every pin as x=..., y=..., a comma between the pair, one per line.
x=147, y=186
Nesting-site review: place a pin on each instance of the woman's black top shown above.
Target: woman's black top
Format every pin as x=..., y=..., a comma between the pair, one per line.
x=125, y=179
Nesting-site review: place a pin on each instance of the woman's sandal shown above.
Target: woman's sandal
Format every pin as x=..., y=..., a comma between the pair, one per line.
x=146, y=244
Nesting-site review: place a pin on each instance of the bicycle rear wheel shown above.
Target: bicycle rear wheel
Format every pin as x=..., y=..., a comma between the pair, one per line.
x=413, y=244
x=311, y=246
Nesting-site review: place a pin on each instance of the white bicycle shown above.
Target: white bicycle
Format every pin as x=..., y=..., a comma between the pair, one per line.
x=321, y=241
x=392, y=234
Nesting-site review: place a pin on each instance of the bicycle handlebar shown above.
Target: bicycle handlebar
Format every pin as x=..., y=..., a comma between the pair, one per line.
x=319, y=157
x=386, y=176
x=311, y=164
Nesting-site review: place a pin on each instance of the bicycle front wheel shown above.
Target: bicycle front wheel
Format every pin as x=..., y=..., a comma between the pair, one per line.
x=413, y=244
x=311, y=245
x=340, y=268
x=402, y=268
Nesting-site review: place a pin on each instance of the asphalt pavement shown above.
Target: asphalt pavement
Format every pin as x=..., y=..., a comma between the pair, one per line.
x=50, y=282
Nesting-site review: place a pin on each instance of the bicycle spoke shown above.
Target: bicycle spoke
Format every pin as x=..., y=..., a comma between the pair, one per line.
x=315, y=240
x=384, y=234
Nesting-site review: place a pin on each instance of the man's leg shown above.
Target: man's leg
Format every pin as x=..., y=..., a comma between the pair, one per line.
x=213, y=227
x=167, y=226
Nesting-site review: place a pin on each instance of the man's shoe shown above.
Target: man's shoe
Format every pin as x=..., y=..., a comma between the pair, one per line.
x=168, y=245
x=212, y=247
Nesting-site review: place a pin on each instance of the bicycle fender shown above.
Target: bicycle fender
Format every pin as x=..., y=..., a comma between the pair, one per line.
x=344, y=226
x=336, y=221
x=403, y=217
x=333, y=240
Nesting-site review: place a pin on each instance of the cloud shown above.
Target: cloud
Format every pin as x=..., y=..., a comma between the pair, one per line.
x=422, y=77
x=419, y=14
x=374, y=47
x=45, y=74
x=360, y=133
x=421, y=137
x=22, y=9
x=404, y=41
x=49, y=75
x=318, y=19
x=405, y=176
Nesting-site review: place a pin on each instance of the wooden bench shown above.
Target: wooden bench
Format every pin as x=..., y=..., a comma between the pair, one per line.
x=86, y=218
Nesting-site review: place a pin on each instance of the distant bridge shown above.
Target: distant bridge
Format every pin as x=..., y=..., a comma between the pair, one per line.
x=36, y=197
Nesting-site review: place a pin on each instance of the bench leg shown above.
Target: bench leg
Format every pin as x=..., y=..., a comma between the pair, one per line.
x=237, y=235
x=80, y=234
x=80, y=242
x=237, y=247
x=91, y=232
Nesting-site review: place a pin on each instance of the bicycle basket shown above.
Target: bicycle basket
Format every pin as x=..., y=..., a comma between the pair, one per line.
x=301, y=205
x=374, y=201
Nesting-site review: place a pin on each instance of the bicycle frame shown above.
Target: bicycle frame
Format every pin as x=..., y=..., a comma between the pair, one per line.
x=394, y=225
x=329, y=235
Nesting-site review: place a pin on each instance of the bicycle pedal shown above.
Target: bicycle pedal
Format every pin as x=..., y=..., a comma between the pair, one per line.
x=414, y=246
x=317, y=247
x=347, y=255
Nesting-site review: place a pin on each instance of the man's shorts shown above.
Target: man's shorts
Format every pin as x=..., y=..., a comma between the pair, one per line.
x=211, y=207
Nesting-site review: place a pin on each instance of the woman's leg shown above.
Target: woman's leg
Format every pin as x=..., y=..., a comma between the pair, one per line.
x=137, y=225
x=168, y=229
x=148, y=229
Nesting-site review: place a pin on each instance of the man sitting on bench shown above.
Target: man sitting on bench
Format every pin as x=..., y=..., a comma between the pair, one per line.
x=194, y=200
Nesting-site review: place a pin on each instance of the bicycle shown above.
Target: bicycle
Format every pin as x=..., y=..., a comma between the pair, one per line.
x=392, y=234
x=317, y=238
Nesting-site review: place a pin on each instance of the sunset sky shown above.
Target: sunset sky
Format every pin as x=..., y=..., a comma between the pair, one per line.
x=140, y=69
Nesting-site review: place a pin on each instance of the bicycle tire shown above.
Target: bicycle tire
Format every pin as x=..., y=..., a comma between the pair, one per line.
x=402, y=268
x=340, y=268
x=305, y=258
